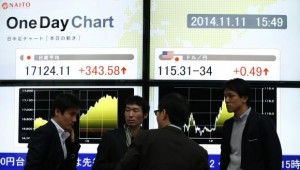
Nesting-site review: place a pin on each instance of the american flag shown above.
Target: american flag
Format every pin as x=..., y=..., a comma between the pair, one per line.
x=167, y=55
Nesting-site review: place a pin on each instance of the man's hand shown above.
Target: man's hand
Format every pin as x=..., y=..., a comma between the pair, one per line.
x=72, y=134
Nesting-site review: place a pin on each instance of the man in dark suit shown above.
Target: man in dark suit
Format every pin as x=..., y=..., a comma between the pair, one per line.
x=250, y=141
x=166, y=148
x=115, y=143
x=53, y=146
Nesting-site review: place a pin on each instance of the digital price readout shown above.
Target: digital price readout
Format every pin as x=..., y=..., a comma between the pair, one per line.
x=87, y=63
x=216, y=64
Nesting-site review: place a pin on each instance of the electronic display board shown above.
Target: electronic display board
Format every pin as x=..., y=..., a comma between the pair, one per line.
x=278, y=103
x=220, y=40
x=190, y=41
x=208, y=113
x=98, y=39
x=29, y=108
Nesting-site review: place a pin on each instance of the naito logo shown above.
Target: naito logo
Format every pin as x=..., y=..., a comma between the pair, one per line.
x=15, y=5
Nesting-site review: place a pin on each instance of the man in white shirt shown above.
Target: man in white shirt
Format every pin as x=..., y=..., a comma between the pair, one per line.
x=54, y=146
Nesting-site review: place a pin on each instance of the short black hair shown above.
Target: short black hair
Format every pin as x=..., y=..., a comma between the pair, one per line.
x=65, y=101
x=240, y=86
x=177, y=107
x=138, y=100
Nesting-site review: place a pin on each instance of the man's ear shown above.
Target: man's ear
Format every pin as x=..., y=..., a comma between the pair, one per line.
x=245, y=98
x=145, y=115
x=57, y=111
x=164, y=114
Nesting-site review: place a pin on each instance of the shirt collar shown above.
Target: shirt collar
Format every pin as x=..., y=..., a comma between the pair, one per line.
x=175, y=126
x=62, y=133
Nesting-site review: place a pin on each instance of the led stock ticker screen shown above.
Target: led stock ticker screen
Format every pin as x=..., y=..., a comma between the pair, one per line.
x=208, y=111
x=72, y=40
x=95, y=63
x=102, y=110
x=28, y=106
x=218, y=40
x=216, y=64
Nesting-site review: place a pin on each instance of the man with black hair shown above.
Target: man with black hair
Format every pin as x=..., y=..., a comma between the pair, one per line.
x=114, y=143
x=53, y=146
x=166, y=148
x=250, y=141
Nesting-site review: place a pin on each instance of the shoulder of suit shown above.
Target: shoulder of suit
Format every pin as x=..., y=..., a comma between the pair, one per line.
x=49, y=125
x=48, y=129
x=259, y=118
x=162, y=131
x=259, y=115
x=150, y=132
x=116, y=133
x=229, y=120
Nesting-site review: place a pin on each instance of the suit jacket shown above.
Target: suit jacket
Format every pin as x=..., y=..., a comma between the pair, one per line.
x=261, y=149
x=110, y=150
x=164, y=149
x=45, y=150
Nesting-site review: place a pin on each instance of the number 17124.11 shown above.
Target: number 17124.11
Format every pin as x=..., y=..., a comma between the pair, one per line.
x=47, y=70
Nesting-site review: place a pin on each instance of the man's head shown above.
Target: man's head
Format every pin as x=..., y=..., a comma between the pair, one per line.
x=136, y=110
x=173, y=108
x=65, y=108
x=237, y=93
